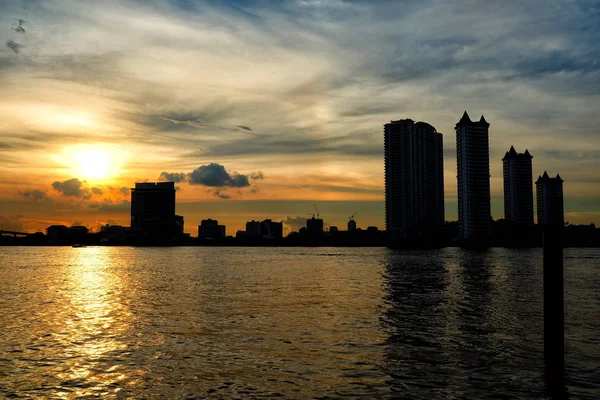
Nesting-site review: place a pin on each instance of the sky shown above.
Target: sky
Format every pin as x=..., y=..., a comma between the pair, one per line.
x=266, y=109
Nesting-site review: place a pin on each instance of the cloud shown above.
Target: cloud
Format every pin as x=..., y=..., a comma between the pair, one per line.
x=172, y=177
x=80, y=189
x=257, y=176
x=295, y=223
x=220, y=193
x=246, y=128
x=72, y=187
x=215, y=175
x=36, y=195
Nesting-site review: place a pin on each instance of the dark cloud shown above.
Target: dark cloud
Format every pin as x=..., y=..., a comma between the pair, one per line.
x=172, y=177
x=72, y=187
x=246, y=128
x=257, y=176
x=36, y=195
x=221, y=193
x=78, y=188
x=14, y=46
x=215, y=175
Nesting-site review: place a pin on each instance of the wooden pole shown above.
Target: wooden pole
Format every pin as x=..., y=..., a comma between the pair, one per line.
x=554, y=321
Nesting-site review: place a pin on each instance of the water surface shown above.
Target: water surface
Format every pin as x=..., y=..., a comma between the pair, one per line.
x=288, y=322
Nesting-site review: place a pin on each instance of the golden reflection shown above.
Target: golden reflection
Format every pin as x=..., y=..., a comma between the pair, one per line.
x=95, y=317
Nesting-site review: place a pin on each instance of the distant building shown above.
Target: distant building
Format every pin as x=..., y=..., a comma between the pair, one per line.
x=550, y=207
x=55, y=231
x=222, y=231
x=210, y=229
x=267, y=229
x=271, y=229
x=254, y=228
x=116, y=234
x=179, y=225
x=78, y=229
x=351, y=225
x=518, y=187
x=314, y=225
x=473, y=176
x=414, y=179
x=333, y=228
x=61, y=233
x=153, y=210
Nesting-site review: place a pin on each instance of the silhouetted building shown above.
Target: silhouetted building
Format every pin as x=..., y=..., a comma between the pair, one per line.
x=117, y=234
x=351, y=225
x=254, y=228
x=314, y=225
x=63, y=235
x=473, y=175
x=210, y=229
x=54, y=232
x=333, y=229
x=266, y=229
x=153, y=211
x=518, y=187
x=179, y=225
x=414, y=179
x=271, y=229
x=550, y=207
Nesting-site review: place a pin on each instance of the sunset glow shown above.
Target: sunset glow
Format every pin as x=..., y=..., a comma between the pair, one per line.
x=287, y=99
x=93, y=164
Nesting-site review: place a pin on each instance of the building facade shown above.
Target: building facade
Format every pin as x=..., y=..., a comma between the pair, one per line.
x=550, y=206
x=209, y=229
x=153, y=211
x=518, y=187
x=414, y=179
x=271, y=229
x=473, y=178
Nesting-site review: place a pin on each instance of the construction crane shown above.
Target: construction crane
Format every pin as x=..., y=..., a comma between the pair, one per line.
x=352, y=216
x=316, y=210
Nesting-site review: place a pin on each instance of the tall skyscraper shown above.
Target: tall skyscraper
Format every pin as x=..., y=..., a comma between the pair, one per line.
x=473, y=175
x=518, y=187
x=550, y=207
x=414, y=179
x=153, y=210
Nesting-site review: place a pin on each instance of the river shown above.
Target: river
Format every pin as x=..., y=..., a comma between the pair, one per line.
x=208, y=322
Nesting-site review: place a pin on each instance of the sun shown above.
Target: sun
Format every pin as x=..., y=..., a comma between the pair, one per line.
x=93, y=164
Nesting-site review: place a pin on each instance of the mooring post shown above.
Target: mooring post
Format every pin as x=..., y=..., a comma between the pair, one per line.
x=554, y=320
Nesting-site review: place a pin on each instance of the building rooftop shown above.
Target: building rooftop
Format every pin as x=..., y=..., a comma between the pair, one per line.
x=512, y=153
x=546, y=178
x=465, y=120
x=155, y=185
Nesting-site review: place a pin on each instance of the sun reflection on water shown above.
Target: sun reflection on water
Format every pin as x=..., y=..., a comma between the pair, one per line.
x=96, y=320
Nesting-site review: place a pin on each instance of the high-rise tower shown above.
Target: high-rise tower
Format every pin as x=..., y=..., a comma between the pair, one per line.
x=153, y=210
x=518, y=187
x=550, y=207
x=473, y=175
x=414, y=179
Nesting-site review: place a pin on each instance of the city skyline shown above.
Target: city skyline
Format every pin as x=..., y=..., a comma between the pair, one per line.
x=260, y=110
